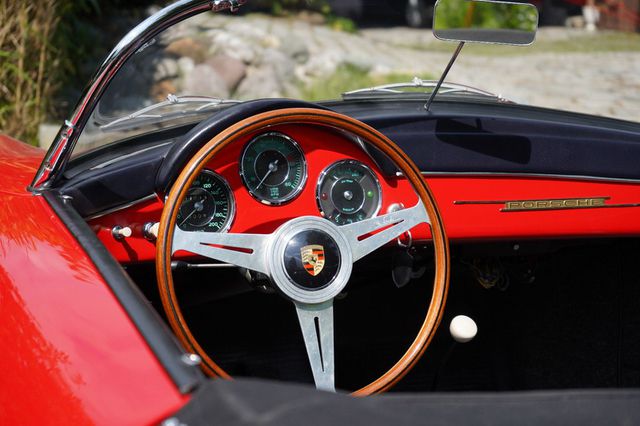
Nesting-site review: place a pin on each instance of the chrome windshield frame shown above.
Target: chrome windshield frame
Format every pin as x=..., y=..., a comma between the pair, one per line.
x=59, y=153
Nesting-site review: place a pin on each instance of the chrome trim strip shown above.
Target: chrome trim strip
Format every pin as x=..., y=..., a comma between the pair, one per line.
x=121, y=207
x=527, y=176
x=508, y=209
x=523, y=200
x=60, y=152
x=606, y=206
x=417, y=82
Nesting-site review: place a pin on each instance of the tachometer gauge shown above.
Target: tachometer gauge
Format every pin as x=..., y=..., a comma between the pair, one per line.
x=348, y=192
x=273, y=168
x=209, y=205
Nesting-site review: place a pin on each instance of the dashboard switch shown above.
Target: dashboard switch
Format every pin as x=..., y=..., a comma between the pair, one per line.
x=120, y=233
x=150, y=231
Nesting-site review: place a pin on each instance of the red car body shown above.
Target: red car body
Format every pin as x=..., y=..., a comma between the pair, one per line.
x=72, y=354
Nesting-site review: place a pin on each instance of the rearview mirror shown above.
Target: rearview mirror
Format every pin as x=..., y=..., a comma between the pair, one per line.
x=484, y=21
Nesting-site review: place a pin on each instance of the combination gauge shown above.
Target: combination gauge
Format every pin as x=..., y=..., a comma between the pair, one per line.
x=348, y=192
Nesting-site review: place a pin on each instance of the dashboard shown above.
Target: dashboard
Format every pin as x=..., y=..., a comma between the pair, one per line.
x=265, y=180
x=493, y=178
x=273, y=168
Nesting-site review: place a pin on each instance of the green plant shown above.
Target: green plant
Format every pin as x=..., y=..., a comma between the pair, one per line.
x=350, y=77
x=27, y=60
x=339, y=23
x=282, y=7
x=40, y=43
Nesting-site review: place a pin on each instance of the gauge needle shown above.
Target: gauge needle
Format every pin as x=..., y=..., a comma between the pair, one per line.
x=198, y=207
x=273, y=167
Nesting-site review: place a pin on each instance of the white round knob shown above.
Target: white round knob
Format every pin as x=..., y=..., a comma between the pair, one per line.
x=463, y=329
x=120, y=233
x=151, y=231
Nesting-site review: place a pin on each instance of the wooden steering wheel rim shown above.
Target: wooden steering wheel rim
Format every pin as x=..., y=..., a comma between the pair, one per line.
x=326, y=119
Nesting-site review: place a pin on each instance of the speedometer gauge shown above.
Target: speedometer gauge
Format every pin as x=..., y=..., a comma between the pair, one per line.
x=209, y=205
x=348, y=192
x=273, y=168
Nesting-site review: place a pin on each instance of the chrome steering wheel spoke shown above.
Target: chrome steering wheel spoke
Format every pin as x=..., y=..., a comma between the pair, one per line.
x=316, y=322
x=243, y=250
x=369, y=235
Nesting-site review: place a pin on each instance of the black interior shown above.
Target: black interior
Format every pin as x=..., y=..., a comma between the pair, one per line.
x=561, y=315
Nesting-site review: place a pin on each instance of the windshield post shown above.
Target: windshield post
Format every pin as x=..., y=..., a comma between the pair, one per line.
x=60, y=151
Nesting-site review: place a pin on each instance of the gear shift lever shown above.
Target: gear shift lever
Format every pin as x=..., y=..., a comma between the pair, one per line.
x=463, y=330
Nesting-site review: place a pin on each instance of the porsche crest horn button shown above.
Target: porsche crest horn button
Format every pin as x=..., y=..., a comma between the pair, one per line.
x=313, y=259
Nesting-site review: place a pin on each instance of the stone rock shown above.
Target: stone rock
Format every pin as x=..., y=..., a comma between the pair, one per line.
x=269, y=41
x=233, y=46
x=231, y=70
x=260, y=83
x=321, y=66
x=312, y=18
x=165, y=69
x=194, y=49
x=162, y=89
x=205, y=81
x=186, y=65
x=282, y=64
x=296, y=49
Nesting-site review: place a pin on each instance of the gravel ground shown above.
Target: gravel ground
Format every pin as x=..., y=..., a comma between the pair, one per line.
x=602, y=83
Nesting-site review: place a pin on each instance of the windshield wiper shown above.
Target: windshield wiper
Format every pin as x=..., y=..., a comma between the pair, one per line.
x=397, y=88
x=172, y=100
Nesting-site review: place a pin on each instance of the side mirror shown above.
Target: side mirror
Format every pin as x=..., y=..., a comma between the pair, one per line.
x=484, y=21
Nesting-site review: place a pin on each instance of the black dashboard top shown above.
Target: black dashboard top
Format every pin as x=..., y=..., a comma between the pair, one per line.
x=455, y=137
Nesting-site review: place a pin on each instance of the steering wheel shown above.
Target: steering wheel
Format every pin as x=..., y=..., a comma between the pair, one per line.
x=279, y=255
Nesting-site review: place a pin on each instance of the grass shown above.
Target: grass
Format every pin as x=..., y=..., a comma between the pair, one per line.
x=25, y=65
x=350, y=77
x=579, y=42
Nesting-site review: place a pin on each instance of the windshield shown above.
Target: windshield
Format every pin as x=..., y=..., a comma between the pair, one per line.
x=213, y=60
x=167, y=83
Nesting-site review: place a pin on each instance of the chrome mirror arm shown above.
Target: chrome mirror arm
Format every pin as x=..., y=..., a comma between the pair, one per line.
x=444, y=75
x=140, y=37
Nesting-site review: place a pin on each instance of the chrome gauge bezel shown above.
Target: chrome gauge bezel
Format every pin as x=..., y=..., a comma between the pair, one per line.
x=232, y=202
x=296, y=191
x=326, y=172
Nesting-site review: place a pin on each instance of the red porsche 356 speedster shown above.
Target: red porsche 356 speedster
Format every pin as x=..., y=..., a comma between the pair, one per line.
x=459, y=242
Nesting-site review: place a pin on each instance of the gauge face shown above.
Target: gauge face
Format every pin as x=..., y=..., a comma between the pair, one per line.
x=348, y=192
x=209, y=205
x=273, y=168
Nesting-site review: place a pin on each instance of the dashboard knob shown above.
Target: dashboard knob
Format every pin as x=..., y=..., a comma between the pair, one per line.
x=463, y=329
x=120, y=233
x=150, y=231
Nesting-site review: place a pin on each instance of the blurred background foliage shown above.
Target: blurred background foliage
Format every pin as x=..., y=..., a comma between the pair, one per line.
x=39, y=44
x=283, y=7
x=27, y=56
x=466, y=14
